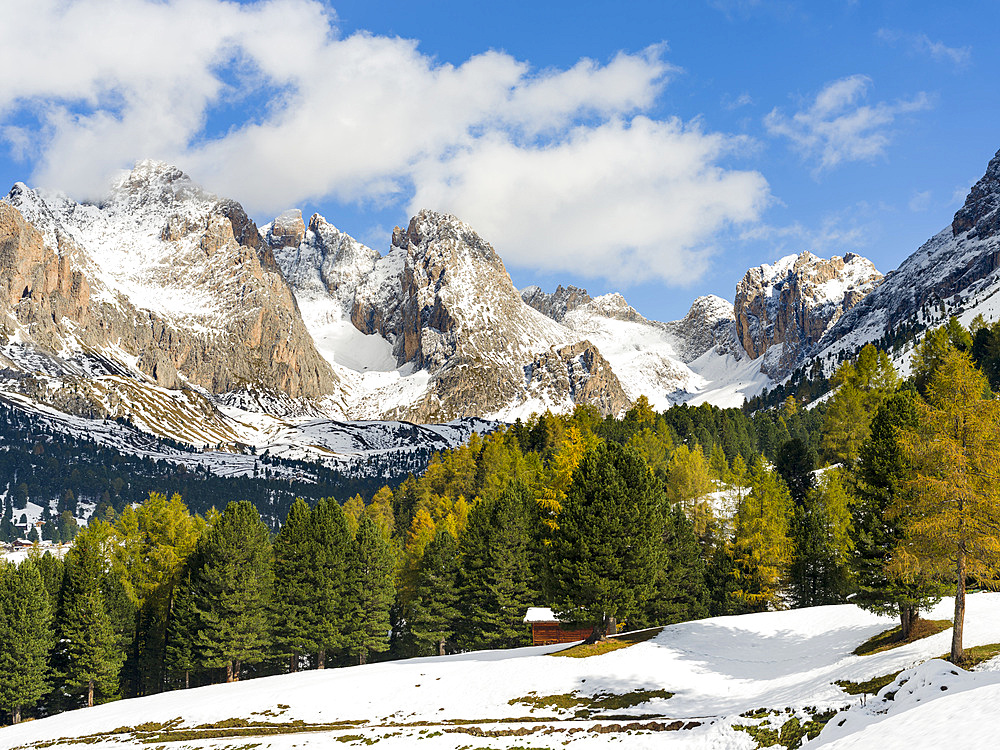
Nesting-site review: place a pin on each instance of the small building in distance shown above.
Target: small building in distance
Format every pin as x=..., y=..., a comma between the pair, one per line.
x=546, y=628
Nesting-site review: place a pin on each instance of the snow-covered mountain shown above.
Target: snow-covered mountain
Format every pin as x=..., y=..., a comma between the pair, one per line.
x=692, y=685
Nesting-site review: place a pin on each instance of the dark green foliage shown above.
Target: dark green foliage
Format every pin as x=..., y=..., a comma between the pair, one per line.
x=434, y=611
x=25, y=637
x=179, y=652
x=50, y=568
x=881, y=476
x=795, y=464
x=88, y=652
x=681, y=591
x=499, y=570
x=720, y=580
x=331, y=560
x=605, y=554
x=986, y=353
x=231, y=581
x=372, y=575
x=295, y=606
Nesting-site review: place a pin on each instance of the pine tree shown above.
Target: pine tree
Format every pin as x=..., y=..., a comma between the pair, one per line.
x=498, y=576
x=434, y=613
x=607, y=549
x=231, y=582
x=179, y=653
x=26, y=638
x=881, y=478
x=681, y=592
x=821, y=535
x=89, y=652
x=955, y=448
x=373, y=581
x=295, y=607
x=333, y=551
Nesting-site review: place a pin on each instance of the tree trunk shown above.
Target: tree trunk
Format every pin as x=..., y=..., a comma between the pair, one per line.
x=15, y=715
x=293, y=663
x=187, y=678
x=607, y=625
x=90, y=693
x=363, y=656
x=908, y=616
x=321, y=659
x=956, y=633
x=229, y=671
x=612, y=625
x=441, y=647
x=236, y=670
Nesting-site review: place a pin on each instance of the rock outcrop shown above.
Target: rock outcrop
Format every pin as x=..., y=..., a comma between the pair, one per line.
x=794, y=302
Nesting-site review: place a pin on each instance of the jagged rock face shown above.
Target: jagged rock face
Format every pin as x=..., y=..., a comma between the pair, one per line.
x=980, y=216
x=580, y=371
x=161, y=277
x=795, y=301
x=557, y=304
x=709, y=324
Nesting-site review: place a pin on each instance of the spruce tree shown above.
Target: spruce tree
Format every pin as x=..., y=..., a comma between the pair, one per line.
x=499, y=569
x=26, y=638
x=231, y=583
x=681, y=590
x=821, y=534
x=607, y=549
x=372, y=576
x=179, y=653
x=434, y=613
x=89, y=652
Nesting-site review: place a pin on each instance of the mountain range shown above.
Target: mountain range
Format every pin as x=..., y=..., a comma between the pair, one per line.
x=167, y=307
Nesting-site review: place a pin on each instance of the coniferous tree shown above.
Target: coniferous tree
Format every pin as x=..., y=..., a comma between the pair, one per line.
x=372, y=576
x=333, y=551
x=295, y=606
x=681, y=591
x=434, y=611
x=231, y=583
x=498, y=576
x=879, y=515
x=25, y=637
x=607, y=549
x=89, y=654
x=179, y=653
x=821, y=535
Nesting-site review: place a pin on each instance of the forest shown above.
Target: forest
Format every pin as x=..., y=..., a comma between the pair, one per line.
x=884, y=494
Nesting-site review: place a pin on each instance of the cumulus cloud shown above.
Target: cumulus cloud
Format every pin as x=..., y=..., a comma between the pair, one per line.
x=923, y=44
x=554, y=166
x=837, y=126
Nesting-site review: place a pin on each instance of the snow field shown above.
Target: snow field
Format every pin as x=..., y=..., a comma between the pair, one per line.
x=718, y=668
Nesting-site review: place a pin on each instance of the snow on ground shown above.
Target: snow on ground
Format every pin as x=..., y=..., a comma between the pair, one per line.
x=717, y=669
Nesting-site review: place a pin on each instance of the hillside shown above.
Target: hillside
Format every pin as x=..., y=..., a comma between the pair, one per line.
x=686, y=687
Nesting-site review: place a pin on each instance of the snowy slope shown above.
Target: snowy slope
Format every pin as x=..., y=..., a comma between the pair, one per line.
x=717, y=669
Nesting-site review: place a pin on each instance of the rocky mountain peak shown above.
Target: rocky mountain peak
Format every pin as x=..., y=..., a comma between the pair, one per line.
x=980, y=215
x=556, y=305
x=794, y=301
x=154, y=183
x=287, y=230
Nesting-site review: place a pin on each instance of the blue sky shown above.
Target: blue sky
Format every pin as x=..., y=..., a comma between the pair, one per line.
x=657, y=148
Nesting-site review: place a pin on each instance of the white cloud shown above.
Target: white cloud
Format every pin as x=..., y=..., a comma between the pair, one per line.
x=838, y=232
x=923, y=44
x=553, y=166
x=625, y=201
x=838, y=127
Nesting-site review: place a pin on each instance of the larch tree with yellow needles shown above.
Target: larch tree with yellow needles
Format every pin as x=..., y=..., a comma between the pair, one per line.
x=953, y=522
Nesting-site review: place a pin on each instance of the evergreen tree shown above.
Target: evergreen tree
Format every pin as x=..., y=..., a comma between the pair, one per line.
x=681, y=591
x=605, y=554
x=25, y=637
x=179, y=653
x=434, y=613
x=881, y=479
x=89, y=651
x=373, y=578
x=498, y=576
x=295, y=612
x=821, y=536
x=334, y=606
x=231, y=583
x=795, y=464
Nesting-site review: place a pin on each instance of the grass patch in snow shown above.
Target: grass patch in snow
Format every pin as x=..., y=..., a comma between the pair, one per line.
x=613, y=643
x=976, y=655
x=791, y=733
x=893, y=638
x=871, y=686
x=585, y=706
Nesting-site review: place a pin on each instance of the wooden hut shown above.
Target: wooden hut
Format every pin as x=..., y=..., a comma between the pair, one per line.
x=546, y=628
